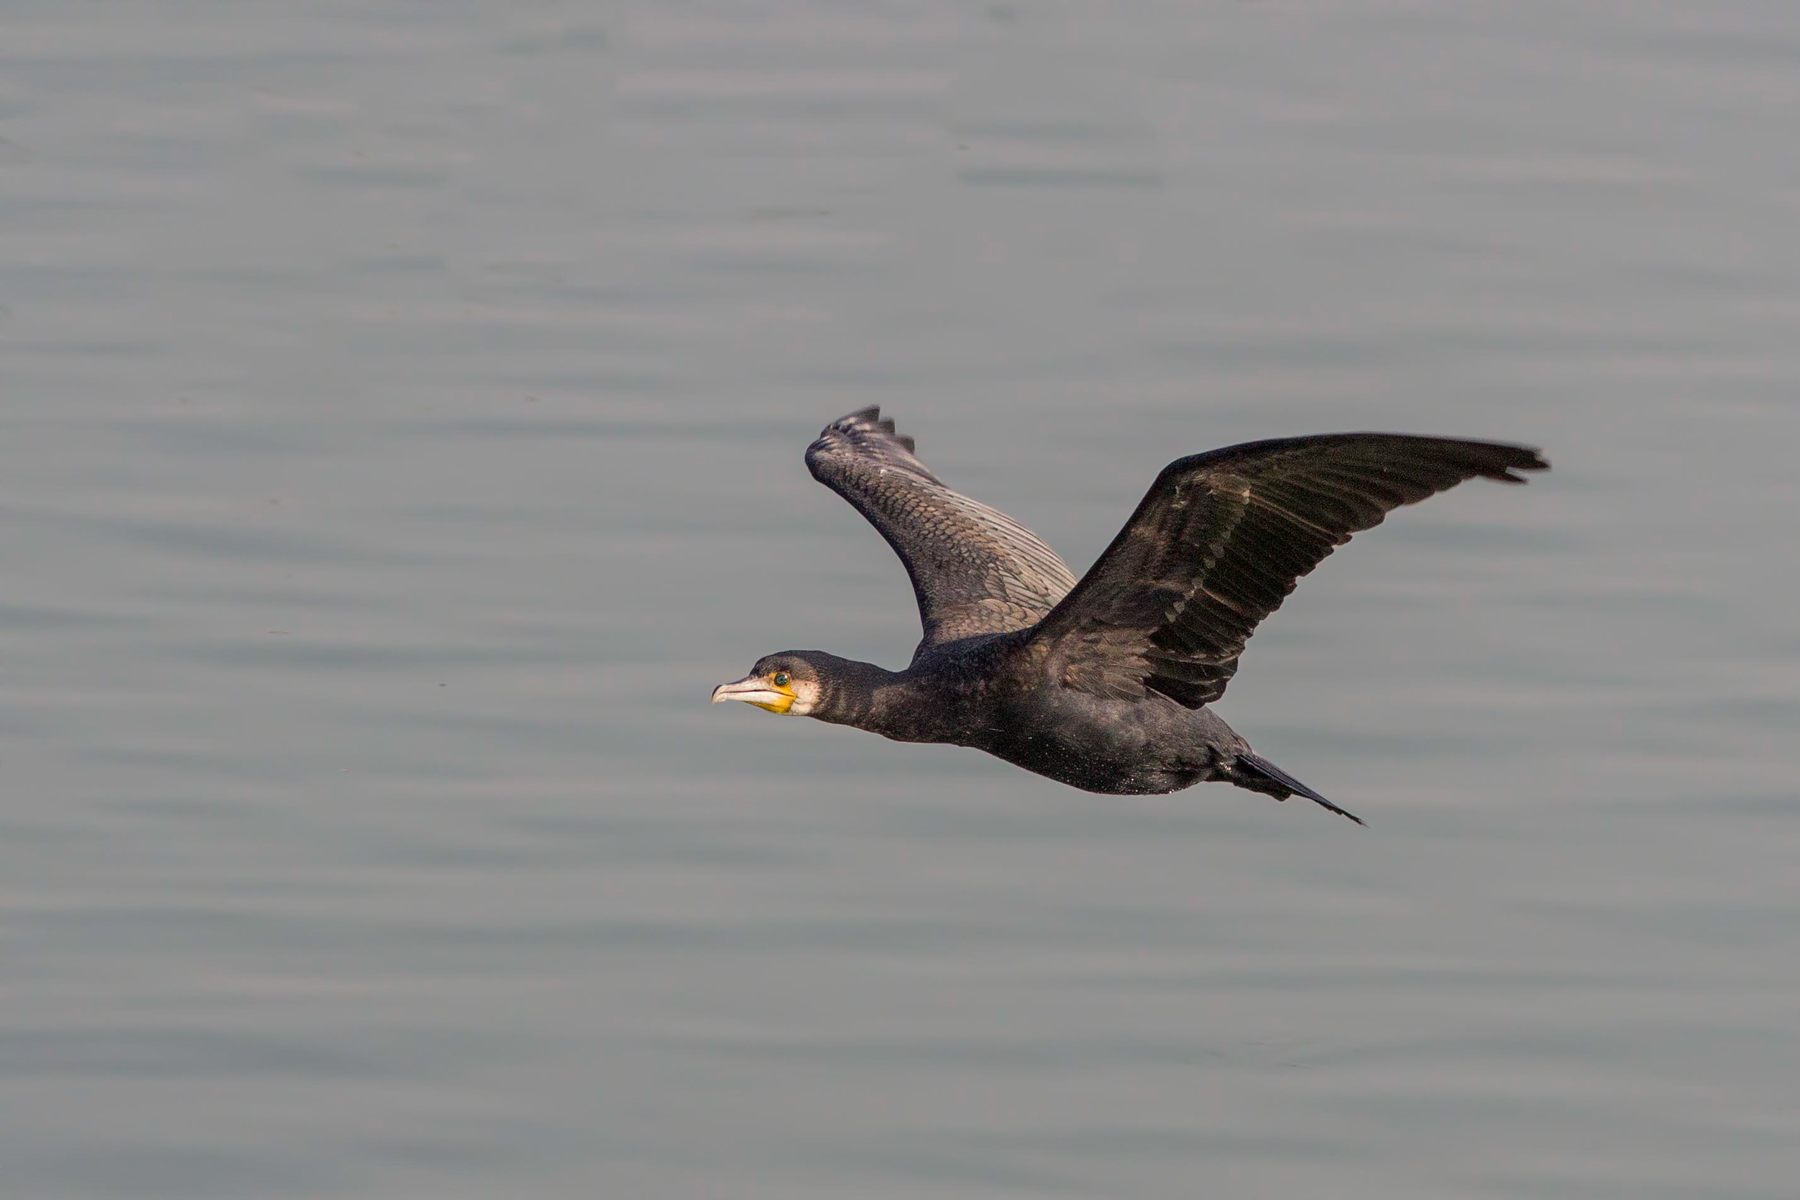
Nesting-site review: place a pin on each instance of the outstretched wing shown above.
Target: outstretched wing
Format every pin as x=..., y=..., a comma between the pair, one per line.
x=1222, y=538
x=974, y=570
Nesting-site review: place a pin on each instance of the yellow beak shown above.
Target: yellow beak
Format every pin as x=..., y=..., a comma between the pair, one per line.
x=753, y=689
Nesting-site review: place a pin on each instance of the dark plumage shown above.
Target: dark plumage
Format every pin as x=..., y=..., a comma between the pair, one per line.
x=1103, y=683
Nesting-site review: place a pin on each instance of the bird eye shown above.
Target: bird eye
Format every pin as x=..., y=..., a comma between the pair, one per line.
x=781, y=679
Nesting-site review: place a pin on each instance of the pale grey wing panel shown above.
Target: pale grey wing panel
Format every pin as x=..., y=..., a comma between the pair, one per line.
x=974, y=570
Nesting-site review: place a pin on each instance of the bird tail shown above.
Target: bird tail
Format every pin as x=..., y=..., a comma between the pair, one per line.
x=1258, y=774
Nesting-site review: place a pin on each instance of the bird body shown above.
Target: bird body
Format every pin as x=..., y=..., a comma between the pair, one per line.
x=991, y=692
x=1102, y=683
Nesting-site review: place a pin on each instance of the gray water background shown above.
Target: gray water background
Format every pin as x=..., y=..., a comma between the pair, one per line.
x=401, y=409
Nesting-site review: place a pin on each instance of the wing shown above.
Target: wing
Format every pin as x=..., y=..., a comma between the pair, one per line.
x=1222, y=538
x=973, y=570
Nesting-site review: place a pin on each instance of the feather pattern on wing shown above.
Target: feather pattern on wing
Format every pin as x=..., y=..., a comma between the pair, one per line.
x=1222, y=538
x=973, y=570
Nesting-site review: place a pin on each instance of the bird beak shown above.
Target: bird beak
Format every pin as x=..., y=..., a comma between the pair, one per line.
x=752, y=689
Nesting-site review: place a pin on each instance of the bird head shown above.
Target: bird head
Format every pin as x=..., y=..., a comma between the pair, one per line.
x=790, y=683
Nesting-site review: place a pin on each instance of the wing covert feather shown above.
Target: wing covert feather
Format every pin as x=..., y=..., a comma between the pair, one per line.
x=974, y=570
x=1222, y=538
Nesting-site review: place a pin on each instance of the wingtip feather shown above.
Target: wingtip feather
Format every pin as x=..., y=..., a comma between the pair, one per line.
x=1514, y=460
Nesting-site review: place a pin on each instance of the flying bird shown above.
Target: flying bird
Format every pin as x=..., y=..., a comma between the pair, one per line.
x=1103, y=683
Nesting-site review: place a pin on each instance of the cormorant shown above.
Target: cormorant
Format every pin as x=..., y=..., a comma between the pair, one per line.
x=1103, y=683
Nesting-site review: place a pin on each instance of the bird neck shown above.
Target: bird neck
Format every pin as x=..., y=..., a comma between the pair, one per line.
x=894, y=704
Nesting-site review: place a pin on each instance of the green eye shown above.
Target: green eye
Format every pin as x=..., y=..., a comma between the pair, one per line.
x=781, y=679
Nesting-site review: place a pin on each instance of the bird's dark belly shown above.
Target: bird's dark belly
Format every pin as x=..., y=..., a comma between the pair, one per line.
x=1100, y=773
x=1121, y=747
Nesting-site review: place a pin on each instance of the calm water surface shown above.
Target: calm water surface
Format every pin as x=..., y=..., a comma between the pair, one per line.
x=401, y=409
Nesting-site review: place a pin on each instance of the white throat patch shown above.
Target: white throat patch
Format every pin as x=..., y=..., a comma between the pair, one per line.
x=806, y=697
